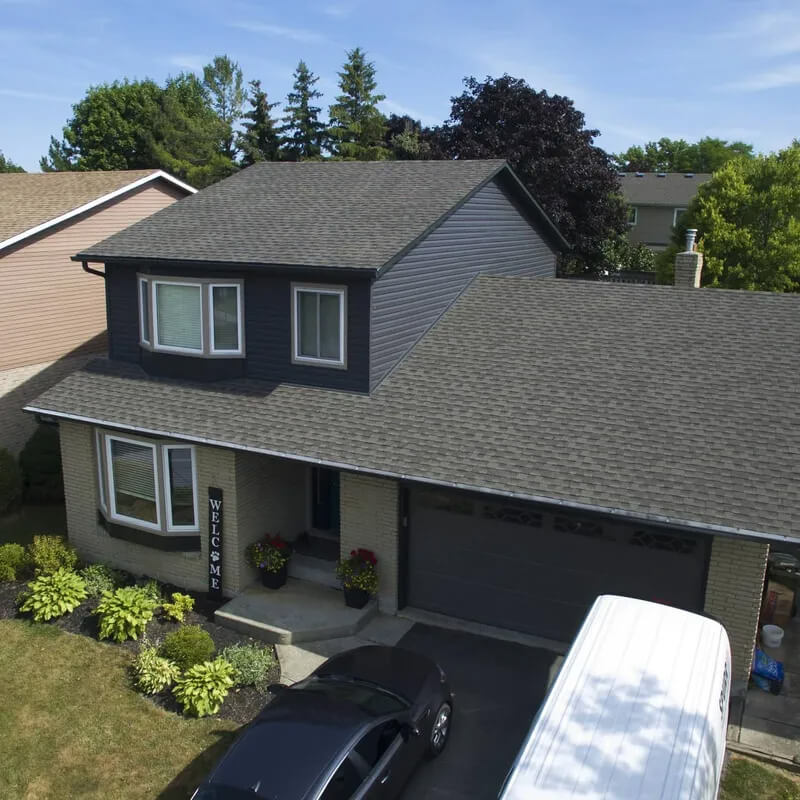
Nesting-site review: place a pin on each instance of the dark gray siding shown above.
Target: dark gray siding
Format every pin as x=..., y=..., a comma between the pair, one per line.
x=122, y=312
x=488, y=234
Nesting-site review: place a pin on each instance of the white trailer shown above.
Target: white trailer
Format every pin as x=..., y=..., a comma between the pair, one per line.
x=639, y=710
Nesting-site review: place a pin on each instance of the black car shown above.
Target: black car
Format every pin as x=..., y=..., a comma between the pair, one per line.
x=355, y=728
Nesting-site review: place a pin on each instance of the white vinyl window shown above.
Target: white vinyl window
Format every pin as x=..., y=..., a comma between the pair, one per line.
x=226, y=317
x=147, y=485
x=633, y=215
x=676, y=215
x=178, y=317
x=144, y=310
x=318, y=325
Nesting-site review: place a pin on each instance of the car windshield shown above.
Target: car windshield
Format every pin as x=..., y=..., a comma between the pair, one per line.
x=369, y=698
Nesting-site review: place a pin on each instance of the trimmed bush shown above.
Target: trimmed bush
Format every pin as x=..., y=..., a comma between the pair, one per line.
x=99, y=578
x=40, y=463
x=180, y=606
x=13, y=561
x=251, y=664
x=54, y=595
x=51, y=553
x=10, y=482
x=124, y=613
x=188, y=646
x=153, y=672
x=203, y=687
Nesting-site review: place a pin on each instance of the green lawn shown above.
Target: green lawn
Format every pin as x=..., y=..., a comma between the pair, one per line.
x=28, y=520
x=746, y=779
x=72, y=726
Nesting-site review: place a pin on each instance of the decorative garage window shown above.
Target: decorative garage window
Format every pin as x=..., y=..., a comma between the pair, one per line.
x=518, y=514
x=654, y=540
x=147, y=485
x=581, y=527
x=319, y=317
x=193, y=317
x=446, y=501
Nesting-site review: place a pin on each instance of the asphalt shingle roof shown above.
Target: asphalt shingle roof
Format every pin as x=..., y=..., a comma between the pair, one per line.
x=28, y=199
x=326, y=214
x=673, y=189
x=678, y=403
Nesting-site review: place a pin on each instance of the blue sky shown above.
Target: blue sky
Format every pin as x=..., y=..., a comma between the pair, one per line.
x=638, y=70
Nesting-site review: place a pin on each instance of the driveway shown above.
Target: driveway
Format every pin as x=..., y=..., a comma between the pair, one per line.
x=498, y=688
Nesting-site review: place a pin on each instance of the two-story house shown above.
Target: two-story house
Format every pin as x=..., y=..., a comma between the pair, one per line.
x=655, y=202
x=380, y=356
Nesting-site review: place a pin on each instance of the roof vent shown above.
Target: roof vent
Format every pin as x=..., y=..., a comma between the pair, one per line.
x=688, y=175
x=661, y=174
x=640, y=174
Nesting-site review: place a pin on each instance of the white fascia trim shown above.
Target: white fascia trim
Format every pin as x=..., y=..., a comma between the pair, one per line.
x=97, y=202
x=658, y=519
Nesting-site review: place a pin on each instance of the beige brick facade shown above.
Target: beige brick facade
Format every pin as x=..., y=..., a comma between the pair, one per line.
x=369, y=518
x=733, y=596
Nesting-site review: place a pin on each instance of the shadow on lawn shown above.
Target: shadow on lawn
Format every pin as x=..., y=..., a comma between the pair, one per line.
x=187, y=780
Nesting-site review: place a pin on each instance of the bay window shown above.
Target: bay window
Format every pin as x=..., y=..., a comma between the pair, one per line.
x=318, y=325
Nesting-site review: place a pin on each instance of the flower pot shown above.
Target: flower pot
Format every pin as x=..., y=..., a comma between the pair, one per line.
x=355, y=598
x=274, y=580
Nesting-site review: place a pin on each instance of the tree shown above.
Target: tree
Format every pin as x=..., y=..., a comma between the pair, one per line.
x=357, y=126
x=407, y=139
x=7, y=165
x=748, y=222
x=259, y=140
x=303, y=133
x=677, y=155
x=544, y=139
x=621, y=253
x=224, y=82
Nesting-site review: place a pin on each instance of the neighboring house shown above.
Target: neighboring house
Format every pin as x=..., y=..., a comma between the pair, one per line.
x=655, y=203
x=52, y=314
x=380, y=353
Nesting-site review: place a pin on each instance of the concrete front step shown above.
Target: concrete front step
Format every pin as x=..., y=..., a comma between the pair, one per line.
x=301, y=611
x=316, y=570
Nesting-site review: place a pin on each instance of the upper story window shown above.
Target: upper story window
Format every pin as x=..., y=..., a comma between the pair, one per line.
x=676, y=215
x=191, y=317
x=633, y=215
x=319, y=315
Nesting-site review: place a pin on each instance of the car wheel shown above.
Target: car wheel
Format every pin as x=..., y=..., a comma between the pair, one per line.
x=440, y=730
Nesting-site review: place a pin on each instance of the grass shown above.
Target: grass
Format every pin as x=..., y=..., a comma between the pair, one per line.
x=73, y=727
x=746, y=779
x=21, y=525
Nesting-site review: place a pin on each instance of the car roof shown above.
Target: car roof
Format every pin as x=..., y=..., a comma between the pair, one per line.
x=291, y=745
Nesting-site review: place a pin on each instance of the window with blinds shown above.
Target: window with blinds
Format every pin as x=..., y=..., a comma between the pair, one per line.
x=132, y=480
x=179, y=316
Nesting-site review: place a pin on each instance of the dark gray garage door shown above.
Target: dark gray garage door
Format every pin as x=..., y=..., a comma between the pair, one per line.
x=536, y=571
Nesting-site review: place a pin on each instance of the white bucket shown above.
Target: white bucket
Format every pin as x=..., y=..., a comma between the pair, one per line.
x=772, y=635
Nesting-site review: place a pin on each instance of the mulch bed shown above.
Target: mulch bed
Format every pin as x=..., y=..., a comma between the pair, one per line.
x=241, y=705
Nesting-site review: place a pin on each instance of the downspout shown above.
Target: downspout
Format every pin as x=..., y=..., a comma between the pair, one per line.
x=87, y=268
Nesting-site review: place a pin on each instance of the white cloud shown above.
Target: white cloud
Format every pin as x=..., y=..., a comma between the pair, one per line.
x=788, y=75
x=25, y=95
x=295, y=34
x=339, y=9
x=774, y=32
x=390, y=107
x=186, y=61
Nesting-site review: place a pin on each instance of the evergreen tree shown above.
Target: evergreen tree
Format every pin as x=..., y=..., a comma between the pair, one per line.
x=303, y=133
x=259, y=140
x=7, y=165
x=223, y=80
x=357, y=126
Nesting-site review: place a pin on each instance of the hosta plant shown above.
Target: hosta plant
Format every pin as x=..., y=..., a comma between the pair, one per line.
x=203, y=687
x=180, y=606
x=54, y=595
x=124, y=613
x=153, y=672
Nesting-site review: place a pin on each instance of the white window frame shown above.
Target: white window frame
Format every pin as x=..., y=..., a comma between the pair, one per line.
x=112, y=501
x=101, y=479
x=166, y=348
x=341, y=293
x=635, y=210
x=171, y=527
x=144, y=330
x=676, y=213
x=239, y=318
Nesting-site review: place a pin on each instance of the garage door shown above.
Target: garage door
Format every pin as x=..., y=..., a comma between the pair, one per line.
x=535, y=571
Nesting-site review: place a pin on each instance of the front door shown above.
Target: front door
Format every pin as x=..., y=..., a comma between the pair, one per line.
x=325, y=499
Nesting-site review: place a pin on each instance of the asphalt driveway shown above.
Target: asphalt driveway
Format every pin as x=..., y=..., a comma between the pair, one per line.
x=498, y=688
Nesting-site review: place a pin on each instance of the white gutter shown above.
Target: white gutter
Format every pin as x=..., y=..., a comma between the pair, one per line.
x=635, y=516
x=97, y=202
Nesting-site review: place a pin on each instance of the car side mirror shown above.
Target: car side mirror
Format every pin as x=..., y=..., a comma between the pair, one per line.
x=407, y=730
x=277, y=688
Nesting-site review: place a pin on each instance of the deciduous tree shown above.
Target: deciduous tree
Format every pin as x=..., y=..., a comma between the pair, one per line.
x=407, y=139
x=677, y=155
x=303, y=133
x=259, y=140
x=225, y=84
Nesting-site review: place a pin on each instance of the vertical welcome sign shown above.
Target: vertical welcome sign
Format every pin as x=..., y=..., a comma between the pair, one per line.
x=214, y=542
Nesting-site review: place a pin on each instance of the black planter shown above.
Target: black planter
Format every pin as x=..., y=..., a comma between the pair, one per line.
x=274, y=580
x=355, y=598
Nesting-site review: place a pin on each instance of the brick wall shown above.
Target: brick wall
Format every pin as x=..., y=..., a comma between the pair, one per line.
x=733, y=595
x=215, y=467
x=369, y=508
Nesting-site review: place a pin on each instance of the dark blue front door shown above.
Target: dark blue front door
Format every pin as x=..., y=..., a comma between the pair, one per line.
x=325, y=499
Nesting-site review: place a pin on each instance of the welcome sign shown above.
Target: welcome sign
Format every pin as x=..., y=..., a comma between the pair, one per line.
x=214, y=542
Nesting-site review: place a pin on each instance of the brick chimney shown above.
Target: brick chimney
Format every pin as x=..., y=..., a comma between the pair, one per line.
x=689, y=264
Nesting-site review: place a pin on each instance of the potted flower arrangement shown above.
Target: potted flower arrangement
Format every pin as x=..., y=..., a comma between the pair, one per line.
x=359, y=577
x=270, y=557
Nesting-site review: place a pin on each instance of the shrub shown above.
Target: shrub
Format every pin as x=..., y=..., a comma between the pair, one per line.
x=251, y=664
x=51, y=553
x=13, y=561
x=180, y=606
x=100, y=578
x=53, y=595
x=359, y=571
x=188, y=646
x=153, y=672
x=40, y=463
x=203, y=687
x=10, y=481
x=153, y=591
x=124, y=613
